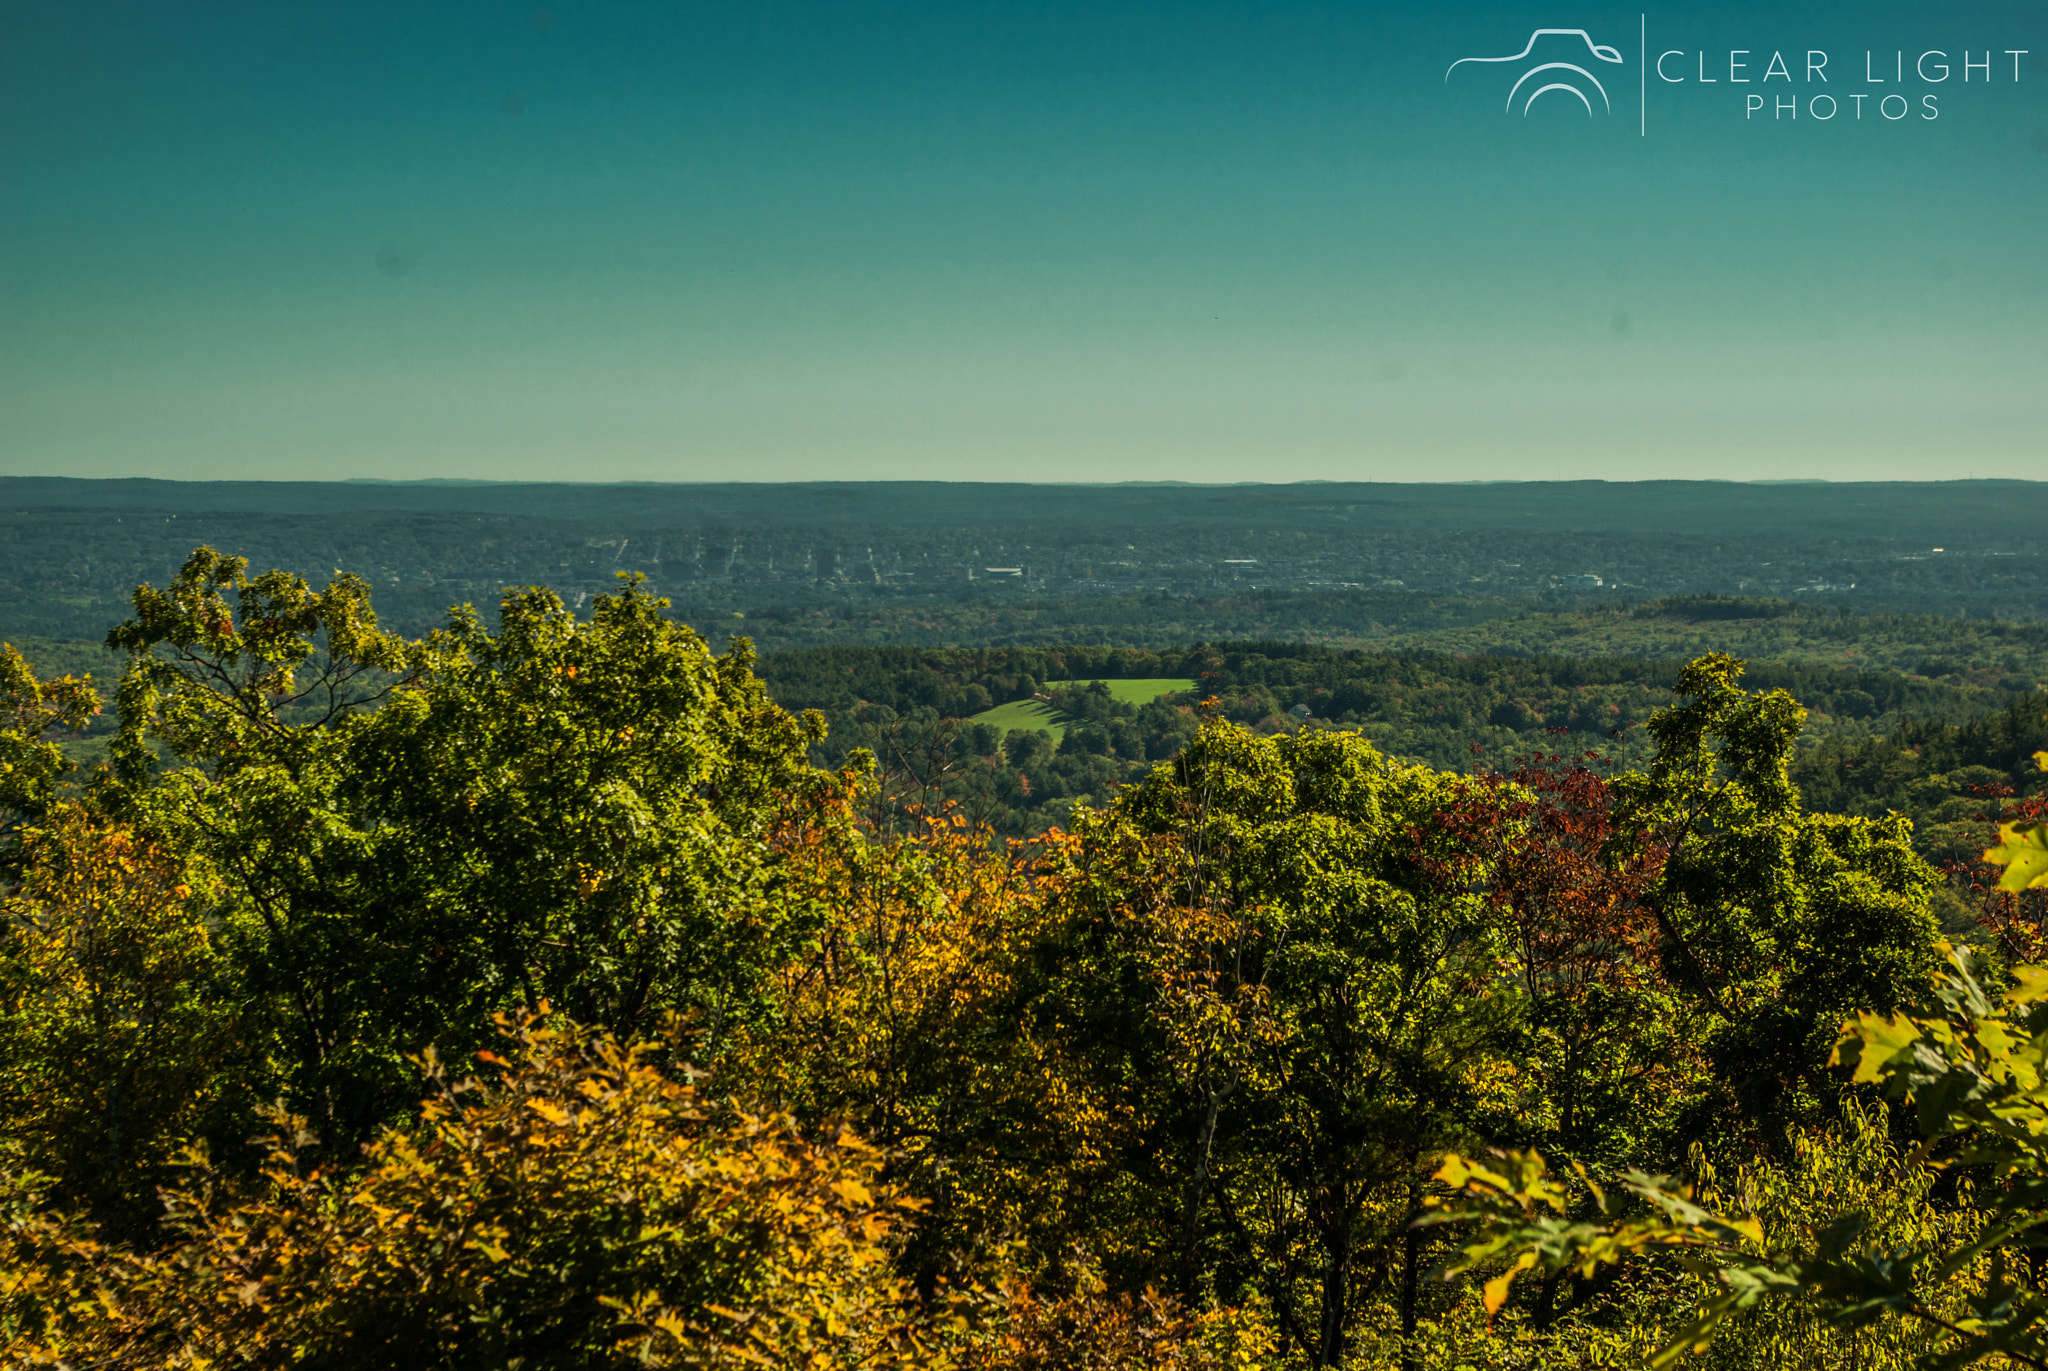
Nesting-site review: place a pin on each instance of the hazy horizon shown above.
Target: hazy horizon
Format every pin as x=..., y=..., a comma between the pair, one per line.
x=317, y=479
x=614, y=242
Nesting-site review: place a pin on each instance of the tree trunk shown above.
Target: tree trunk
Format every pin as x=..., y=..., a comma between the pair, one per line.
x=1336, y=1279
x=1191, y=1210
x=1411, y=1258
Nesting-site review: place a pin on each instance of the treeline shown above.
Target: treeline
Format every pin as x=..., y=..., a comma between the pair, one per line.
x=1359, y=687
x=913, y=708
x=1345, y=685
x=1874, y=634
x=954, y=682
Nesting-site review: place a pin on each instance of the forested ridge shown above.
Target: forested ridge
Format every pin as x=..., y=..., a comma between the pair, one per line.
x=554, y=989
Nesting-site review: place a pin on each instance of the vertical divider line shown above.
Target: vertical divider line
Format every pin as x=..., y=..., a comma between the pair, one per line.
x=1643, y=73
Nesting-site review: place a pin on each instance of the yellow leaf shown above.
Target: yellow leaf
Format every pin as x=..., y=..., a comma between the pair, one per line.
x=2024, y=855
x=1883, y=1039
x=2030, y=983
x=1496, y=1292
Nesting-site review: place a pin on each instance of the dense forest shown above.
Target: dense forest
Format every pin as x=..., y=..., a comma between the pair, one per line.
x=554, y=989
x=919, y=710
x=916, y=710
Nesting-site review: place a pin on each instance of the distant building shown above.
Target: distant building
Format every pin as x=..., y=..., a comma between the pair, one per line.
x=1301, y=711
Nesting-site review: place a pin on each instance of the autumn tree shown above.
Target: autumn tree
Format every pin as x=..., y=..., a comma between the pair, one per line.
x=571, y=1205
x=1607, y=1054
x=915, y=1013
x=117, y=1018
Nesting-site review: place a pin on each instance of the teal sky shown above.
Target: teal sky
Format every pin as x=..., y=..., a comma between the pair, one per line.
x=1060, y=242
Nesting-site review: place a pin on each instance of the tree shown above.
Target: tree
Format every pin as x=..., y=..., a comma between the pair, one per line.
x=1607, y=1045
x=115, y=1022
x=1607, y=1053
x=915, y=1014
x=1774, y=922
x=402, y=837
x=1970, y=1067
x=1321, y=999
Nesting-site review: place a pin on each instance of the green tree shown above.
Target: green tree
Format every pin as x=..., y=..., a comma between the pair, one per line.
x=1774, y=921
x=1971, y=1068
x=1321, y=998
x=400, y=838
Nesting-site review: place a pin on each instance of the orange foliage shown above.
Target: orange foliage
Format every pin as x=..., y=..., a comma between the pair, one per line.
x=1092, y=1330
x=110, y=1045
x=577, y=1208
x=908, y=1017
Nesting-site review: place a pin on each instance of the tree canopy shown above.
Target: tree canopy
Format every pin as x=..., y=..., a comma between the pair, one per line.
x=584, y=1018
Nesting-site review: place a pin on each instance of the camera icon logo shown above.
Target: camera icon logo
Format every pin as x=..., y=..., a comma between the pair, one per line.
x=1549, y=71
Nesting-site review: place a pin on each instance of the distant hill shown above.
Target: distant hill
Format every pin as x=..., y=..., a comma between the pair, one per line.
x=1934, y=512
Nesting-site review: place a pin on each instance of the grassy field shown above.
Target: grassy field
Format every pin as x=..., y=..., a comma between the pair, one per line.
x=1146, y=691
x=1040, y=715
x=1025, y=714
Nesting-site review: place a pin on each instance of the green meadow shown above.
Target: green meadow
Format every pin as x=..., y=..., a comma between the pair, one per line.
x=1040, y=715
x=1144, y=692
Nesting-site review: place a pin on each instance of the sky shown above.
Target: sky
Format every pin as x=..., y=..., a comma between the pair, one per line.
x=1006, y=241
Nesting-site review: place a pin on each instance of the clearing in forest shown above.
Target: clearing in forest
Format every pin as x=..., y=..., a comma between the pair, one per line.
x=1040, y=715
